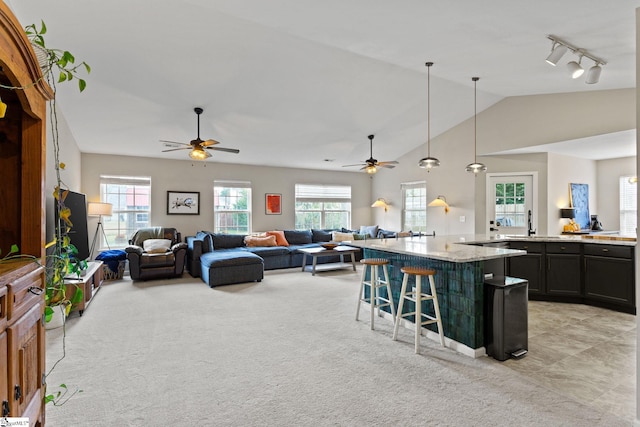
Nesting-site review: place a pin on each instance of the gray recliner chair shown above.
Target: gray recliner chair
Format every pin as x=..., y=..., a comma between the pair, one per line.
x=164, y=256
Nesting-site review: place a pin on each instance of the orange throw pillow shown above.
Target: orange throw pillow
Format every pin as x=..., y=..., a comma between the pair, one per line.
x=280, y=239
x=255, y=241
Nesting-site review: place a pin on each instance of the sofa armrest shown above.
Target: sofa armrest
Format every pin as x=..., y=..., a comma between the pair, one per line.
x=194, y=252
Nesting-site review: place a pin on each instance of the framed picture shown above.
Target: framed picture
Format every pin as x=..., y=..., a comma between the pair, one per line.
x=183, y=203
x=273, y=204
x=579, y=197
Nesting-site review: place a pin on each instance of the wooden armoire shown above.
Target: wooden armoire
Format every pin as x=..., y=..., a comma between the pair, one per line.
x=22, y=222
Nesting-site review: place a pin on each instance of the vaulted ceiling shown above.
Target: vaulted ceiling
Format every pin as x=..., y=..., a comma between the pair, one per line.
x=302, y=83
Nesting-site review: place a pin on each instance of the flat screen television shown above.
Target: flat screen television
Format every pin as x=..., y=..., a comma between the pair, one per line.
x=79, y=234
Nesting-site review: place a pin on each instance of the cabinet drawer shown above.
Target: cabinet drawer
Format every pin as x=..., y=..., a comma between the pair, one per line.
x=614, y=251
x=563, y=248
x=527, y=246
x=20, y=298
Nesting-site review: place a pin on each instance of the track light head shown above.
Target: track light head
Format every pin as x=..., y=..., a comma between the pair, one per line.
x=575, y=69
x=593, y=76
x=557, y=52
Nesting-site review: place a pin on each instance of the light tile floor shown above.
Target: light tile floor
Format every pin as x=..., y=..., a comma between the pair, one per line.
x=585, y=352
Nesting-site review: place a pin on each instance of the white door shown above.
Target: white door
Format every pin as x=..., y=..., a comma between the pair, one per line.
x=511, y=203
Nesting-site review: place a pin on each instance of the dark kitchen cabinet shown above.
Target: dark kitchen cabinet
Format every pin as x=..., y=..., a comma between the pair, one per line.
x=564, y=270
x=529, y=266
x=609, y=275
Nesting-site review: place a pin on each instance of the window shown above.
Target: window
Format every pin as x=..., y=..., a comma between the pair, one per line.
x=628, y=205
x=323, y=206
x=232, y=207
x=414, y=206
x=130, y=197
x=510, y=204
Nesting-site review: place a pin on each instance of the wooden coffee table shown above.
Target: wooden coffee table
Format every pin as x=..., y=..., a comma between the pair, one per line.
x=341, y=250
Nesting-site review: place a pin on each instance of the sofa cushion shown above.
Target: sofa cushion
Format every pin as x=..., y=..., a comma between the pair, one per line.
x=339, y=236
x=229, y=258
x=156, y=246
x=298, y=237
x=371, y=230
x=255, y=241
x=226, y=241
x=267, y=251
x=321, y=235
x=279, y=235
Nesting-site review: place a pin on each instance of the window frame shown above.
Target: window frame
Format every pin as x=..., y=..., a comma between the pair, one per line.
x=628, y=199
x=218, y=212
x=322, y=194
x=404, y=187
x=124, y=228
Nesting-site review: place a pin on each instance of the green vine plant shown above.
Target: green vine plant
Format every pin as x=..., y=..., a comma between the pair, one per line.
x=61, y=258
x=61, y=60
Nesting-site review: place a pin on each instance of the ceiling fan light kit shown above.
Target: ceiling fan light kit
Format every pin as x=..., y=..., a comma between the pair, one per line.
x=371, y=165
x=428, y=162
x=199, y=148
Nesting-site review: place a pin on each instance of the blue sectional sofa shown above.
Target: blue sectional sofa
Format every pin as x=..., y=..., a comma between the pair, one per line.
x=223, y=259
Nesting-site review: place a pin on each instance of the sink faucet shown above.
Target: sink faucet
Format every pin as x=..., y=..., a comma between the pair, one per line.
x=530, y=231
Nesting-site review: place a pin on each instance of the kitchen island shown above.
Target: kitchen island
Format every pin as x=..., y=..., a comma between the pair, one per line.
x=460, y=278
x=594, y=270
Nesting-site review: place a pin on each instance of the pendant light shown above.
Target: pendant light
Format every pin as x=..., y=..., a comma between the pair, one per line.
x=428, y=162
x=475, y=167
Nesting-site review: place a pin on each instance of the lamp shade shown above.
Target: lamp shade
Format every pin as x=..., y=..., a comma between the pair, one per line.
x=99, y=209
x=440, y=201
x=380, y=203
x=568, y=213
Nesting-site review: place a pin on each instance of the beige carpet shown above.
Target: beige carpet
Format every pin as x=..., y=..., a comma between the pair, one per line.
x=284, y=352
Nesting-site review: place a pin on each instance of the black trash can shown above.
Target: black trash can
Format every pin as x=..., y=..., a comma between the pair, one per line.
x=506, y=317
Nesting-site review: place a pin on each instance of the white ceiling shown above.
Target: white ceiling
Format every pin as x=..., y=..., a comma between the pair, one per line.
x=295, y=82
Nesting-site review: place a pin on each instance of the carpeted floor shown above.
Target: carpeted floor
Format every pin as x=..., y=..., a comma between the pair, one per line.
x=284, y=352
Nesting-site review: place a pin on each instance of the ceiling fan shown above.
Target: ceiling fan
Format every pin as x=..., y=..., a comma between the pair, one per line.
x=371, y=165
x=199, y=148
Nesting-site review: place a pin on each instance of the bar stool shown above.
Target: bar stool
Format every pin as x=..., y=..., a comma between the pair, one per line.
x=374, y=283
x=417, y=296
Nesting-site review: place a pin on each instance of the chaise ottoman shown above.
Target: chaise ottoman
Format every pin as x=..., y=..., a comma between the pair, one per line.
x=228, y=267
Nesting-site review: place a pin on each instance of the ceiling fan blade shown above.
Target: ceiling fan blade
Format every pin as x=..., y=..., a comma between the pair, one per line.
x=175, y=142
x=209, y=142
x=228, y=150
x=357, y=164
x=384, y=164
x=388, y=166
x=175, y=149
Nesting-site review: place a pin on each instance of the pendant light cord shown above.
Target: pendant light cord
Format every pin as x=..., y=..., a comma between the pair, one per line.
x=429, y=64
x=475, y=118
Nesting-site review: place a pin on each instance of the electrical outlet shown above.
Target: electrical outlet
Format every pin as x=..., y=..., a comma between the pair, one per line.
x=462, y=218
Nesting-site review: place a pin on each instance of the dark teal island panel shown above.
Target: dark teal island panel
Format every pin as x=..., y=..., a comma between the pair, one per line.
x=460, y=288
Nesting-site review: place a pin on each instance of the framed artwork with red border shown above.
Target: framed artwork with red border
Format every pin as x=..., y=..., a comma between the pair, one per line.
x=273, y=204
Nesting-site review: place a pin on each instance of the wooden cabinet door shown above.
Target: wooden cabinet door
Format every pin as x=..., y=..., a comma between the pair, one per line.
x=26, y=342
x=563, y=274
x=4, y=375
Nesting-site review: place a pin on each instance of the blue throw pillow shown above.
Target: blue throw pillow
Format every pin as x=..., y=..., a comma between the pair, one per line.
x=321, y=235
x=371, y=230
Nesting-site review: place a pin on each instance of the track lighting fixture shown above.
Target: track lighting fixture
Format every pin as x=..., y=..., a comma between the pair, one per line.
x=428, y=162
x=560, y=47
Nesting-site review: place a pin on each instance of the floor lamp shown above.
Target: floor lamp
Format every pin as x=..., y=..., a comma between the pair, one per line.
x=99, y=209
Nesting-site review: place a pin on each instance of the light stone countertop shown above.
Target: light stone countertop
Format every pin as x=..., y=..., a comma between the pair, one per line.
x=464, y=248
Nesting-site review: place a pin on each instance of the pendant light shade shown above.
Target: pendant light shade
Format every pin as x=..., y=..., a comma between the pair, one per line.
x=475, y=167
x=428, y=162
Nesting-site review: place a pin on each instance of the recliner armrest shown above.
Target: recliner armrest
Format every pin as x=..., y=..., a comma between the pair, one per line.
x=175, y=248
x=134, y=250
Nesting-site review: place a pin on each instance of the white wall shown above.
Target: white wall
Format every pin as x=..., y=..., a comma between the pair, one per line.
x=185, y=175
x=69, y=154
x=608, y=189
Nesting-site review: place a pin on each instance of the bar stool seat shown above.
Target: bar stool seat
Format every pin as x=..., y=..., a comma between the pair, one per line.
x=375, y=283
x=417, y=296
